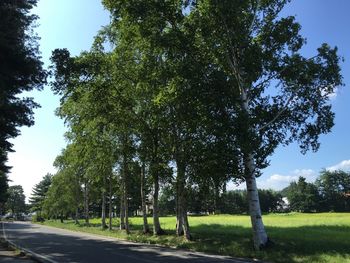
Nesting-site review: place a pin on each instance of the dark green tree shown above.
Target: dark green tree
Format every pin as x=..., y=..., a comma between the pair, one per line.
x=302, y=196
x=235, y=202
x=270, y=201
x=16, y=200
x=20, y=70
x=38, y=195
x=3, y=191
x=334, y=187
x=61, y=198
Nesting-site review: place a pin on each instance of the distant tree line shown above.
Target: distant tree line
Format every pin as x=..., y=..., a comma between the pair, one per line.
x=330, y=192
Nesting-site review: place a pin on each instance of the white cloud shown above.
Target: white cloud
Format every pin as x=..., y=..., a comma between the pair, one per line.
x=276, y=181
x=279, y=181
x=343, y=165
x=281, y=178
x=332, y=96
x=309, y=174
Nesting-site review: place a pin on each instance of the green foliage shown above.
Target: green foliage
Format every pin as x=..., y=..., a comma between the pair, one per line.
x=16, y=200
x=206, y=88
x=39, y=192
x=270, y=201
x=255, y=48
x=235, y=202
x=59, y=199
x=167, y=201
x=334, y=188
x=303, y=196
x=3, y=190
x=230, y=202
x=20, y=71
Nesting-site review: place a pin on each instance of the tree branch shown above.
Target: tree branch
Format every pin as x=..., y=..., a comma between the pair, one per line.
x=277, y=73
x=284, y=108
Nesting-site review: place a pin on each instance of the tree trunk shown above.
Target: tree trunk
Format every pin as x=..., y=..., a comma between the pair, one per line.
x=122, y=210
x=126, y=213
x=186, y=225
x=126, y=193
x=156, y=224
x=216, y=198
x=76, y=215
x=182, y=226
x=260, y=237
x=86, y=204
x=143, y=200
x=103, y=213
x=110, y=204
x=179, y=219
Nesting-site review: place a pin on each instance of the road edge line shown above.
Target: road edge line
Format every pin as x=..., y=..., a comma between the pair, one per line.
x=28, y=252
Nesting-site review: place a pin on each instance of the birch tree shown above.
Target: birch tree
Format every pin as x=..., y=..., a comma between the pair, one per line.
x=282, y=96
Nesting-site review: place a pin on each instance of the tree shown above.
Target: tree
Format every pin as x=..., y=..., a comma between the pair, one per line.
x=334, y=187
x=209, y=87
x=302, y=196
x=69, y=169
x=278, y=96
x=270, y=201
x=16, y=200
x=39, y=193
x=61, y=198
x=235, y=202
x=3, y=191
x=20, y=70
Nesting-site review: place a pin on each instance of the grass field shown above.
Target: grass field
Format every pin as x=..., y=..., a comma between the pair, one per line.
x=321, y=237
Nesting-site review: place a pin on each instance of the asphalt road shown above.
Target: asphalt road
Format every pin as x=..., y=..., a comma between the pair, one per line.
x=58, y=245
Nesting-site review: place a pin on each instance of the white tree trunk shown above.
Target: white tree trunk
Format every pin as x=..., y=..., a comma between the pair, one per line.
x=182, y=226
x=110, y=204
x=103, y=213
x=260, y=237
x=126, y=193
x=86, y=203
x=122, y=212
x=259, y=234
x=156, y=224
x=76, y=219
x=143, y=200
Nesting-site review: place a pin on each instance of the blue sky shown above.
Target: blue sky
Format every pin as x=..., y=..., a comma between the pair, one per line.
x=73, y=24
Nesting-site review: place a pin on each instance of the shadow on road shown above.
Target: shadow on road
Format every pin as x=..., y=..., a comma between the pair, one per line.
x=64, y=246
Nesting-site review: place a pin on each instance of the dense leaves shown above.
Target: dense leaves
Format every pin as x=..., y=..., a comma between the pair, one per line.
x=16, y=201
x=197, y=94
x=39, y=193
x=303, y=196
x=20, y=71
x=334, y=189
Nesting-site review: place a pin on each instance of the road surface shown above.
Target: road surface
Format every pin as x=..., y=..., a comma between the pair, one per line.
x=59, y=245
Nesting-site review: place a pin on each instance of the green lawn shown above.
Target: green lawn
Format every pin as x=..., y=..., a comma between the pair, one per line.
x=322, y=237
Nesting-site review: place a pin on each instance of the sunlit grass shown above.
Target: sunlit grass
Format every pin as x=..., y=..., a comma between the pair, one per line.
x=321, y=237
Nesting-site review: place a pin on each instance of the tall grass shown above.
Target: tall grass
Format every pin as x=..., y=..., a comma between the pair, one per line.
x=319, y=237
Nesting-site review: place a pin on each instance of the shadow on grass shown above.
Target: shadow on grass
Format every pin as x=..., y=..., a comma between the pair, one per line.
x=292, y=244
x=319, y=243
